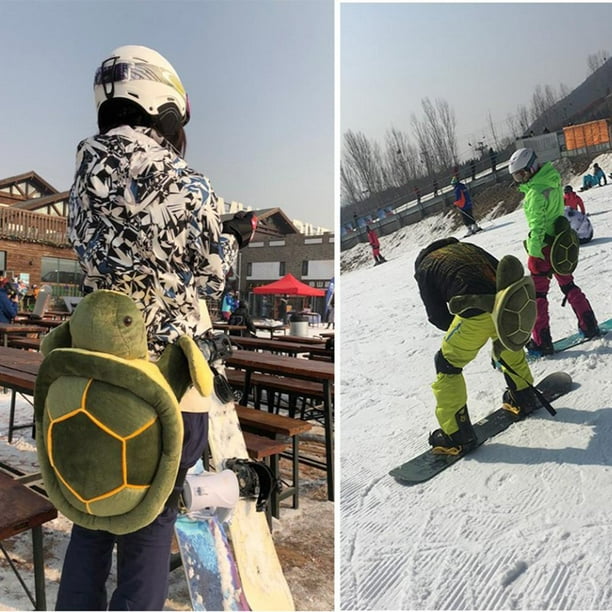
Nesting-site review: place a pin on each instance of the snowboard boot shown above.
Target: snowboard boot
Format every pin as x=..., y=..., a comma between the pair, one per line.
x=589, y=327
x=520, y=403
x=545, y=347
x=461, y=441
x=255, y=480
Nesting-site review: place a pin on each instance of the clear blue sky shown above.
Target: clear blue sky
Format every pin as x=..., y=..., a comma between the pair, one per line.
x=480, y=58
x=259, y=74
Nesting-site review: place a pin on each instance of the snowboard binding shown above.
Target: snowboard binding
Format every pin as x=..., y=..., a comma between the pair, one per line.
x=255, y=479
x=216, y=348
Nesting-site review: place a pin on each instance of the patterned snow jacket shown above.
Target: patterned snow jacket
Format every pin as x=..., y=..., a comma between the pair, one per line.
x=142, y=222
x=447, y=268
x=542, y=205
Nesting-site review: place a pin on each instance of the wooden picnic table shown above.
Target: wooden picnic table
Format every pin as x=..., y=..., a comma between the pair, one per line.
x=327, y=334
x=19, y=329
x=301, y=340
x=21, y=509
x=18, y=371
x=226, y=327
x=270, y=327
x=44, y=322
x=279, y=346
x=304, y=369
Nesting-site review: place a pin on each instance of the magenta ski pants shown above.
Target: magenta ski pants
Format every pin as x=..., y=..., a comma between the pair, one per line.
x=541, y=272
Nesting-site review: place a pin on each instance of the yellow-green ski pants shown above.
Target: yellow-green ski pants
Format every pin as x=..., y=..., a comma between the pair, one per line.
x=461, y=344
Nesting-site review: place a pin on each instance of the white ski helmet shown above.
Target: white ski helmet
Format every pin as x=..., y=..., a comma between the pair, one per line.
x=144, y=77
x=522, y=159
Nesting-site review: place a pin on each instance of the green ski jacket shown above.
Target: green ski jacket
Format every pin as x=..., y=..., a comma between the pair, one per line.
x=543, y=204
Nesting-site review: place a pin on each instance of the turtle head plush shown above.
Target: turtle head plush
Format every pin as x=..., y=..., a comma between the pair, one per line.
x=104, y=322
x=109, y=431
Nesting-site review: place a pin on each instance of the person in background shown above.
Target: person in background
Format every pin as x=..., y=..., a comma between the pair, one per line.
x=282, y=309
x=543, y=204
x=588, y=181
x=599, y=175
x=9, y=302
x=445, y=269
x=241, y=316
x=330, y=315
x=580, y=223
x=417, y=194
x=463, y=202
x=375, y=244
x=143, y=223
x=228, y=304
x=572, y=199
x=493, y=159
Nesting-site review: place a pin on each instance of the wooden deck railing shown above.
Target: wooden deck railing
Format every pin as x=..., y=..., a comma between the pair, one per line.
x=18, y=224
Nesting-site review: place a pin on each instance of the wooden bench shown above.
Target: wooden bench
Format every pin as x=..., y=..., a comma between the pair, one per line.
x=21, y=509
x=269, y=450
x=24, y=343
x=275, y=386
x=275, y=425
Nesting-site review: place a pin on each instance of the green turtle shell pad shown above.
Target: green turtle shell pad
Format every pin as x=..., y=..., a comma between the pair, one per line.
x=109, y=437
x=514, y=313
x=564, y=252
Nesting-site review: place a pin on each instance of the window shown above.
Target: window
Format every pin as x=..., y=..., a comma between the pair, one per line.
x=305, y=268
x=249, y=269
x=281, y=268
x=64, y=271
x=2, y=260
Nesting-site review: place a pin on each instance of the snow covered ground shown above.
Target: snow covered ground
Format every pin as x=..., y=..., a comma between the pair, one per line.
x=524, y=522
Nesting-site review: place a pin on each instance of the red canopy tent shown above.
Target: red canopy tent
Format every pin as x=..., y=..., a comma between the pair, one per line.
x=289, y=285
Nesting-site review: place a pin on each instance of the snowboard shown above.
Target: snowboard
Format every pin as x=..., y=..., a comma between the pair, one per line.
x=210, y=568
x=263, y=582
x=570, y=341
x=427, y=465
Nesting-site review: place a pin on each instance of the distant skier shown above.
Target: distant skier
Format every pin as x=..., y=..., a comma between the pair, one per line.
x=443, y=270
x=375, y=244
x=463, y=202
x=599, y=175
x=572, y=199
x=580, y=223
x=543, y=204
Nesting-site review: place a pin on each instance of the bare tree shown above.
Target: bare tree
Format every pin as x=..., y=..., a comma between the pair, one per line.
x=401, y=158
x=522, y=117
x=363, y=163
x=493, y=132
x=435, y=135
x=349, y=190
x=596, y=60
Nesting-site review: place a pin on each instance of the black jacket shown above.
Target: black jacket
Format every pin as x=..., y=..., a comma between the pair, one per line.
x=241, y=316
x=447, y=268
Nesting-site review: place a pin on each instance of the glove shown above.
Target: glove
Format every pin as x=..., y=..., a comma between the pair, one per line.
x=242, y=225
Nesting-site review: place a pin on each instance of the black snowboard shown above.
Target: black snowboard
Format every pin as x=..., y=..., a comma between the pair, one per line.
x=427, y=465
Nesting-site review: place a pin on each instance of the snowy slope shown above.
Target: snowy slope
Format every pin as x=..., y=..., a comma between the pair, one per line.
x=524, y=522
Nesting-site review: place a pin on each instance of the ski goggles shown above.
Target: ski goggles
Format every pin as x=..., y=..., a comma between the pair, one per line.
x=521, y=176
